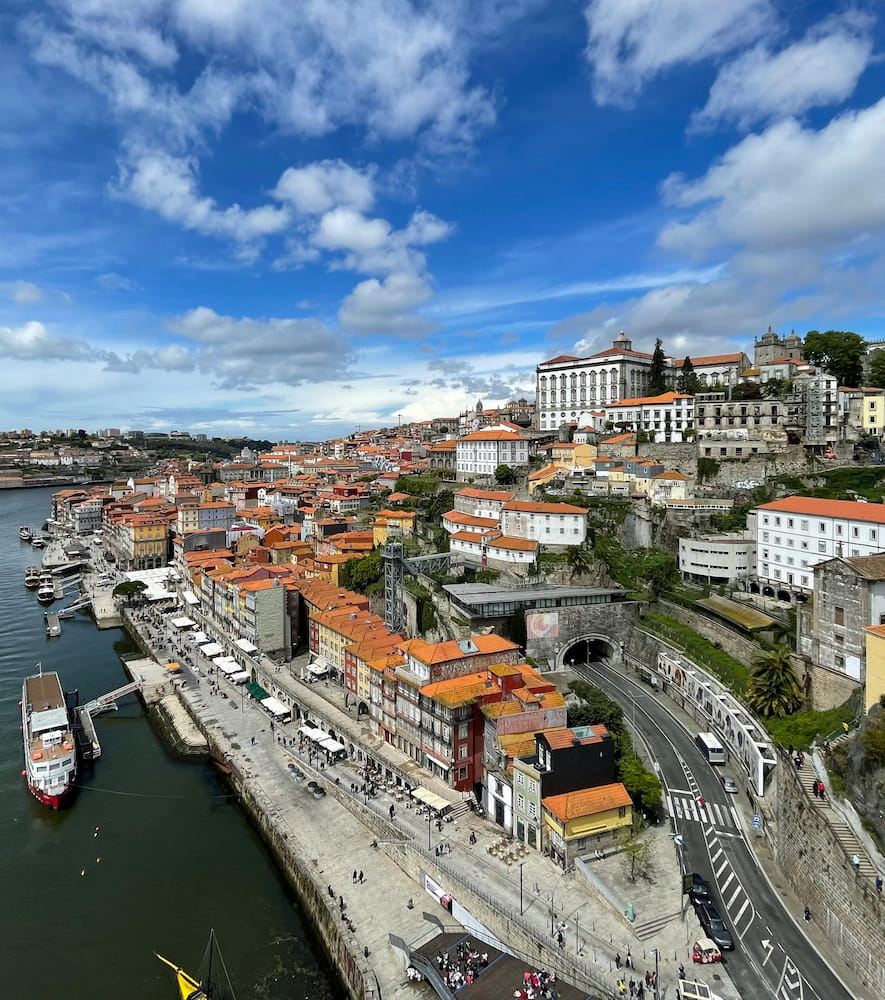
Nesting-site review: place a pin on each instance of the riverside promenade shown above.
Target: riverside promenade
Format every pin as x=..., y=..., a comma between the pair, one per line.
x=528, y=905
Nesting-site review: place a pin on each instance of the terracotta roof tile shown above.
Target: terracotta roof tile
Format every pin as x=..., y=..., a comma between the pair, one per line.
x=587, y=801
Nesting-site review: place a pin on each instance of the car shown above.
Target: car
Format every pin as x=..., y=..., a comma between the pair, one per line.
x=697, y=889
x=729, y=785
x=705, y=952
x=715, y=927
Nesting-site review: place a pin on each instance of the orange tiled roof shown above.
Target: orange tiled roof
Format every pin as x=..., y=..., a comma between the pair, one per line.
x=469, y=520
x=713, y=359
x=812, y=507
x=516, y=544
x=530, y=507
x=587, y=801
x=499, y=496
x=663, y=400
x=492, y=436
x=442, y=652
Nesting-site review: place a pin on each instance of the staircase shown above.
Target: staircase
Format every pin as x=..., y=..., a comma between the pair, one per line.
x=842, y=831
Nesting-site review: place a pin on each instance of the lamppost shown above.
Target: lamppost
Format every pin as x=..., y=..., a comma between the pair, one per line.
x=521, y=864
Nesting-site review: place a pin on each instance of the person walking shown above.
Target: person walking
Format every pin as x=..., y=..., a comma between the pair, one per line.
x=618, y=960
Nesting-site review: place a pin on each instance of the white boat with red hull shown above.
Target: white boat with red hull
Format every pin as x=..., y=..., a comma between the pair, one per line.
x=49, y=745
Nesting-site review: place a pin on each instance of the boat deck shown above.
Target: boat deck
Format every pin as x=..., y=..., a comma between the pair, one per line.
x=45, y=702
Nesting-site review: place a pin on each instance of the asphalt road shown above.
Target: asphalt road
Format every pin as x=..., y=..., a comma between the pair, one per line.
x=772, y=957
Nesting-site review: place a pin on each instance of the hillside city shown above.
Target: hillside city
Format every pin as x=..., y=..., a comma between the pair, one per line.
x=713, y=524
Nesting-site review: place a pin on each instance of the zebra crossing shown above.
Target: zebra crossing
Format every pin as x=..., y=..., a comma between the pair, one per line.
x=686, y=806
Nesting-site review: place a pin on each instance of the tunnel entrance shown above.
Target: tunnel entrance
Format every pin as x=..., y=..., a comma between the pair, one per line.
x=594, y=649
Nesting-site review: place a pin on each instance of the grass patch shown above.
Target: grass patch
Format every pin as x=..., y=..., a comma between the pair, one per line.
x=700, y=650
x=804, y=727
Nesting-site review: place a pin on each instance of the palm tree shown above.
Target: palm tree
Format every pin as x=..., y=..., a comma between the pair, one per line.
x=772, y=688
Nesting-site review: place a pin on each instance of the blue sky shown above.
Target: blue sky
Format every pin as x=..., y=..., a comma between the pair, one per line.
x=290, y=220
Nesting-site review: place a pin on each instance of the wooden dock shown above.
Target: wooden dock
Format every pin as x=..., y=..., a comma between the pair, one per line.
x=53, y=624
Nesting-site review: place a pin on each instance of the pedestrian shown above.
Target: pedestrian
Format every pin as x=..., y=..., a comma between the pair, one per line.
x=560, y=940
x=879, y=884
x=618, y=960
x=391, y=810
x=632, y=987
x=815, y=787
x=855, y=860
x=353, y=877
x=622, y=988
x=628, y=961
x=701, y=801
x=681, y=971
x=361, y=878
x=822, y=791
x=647, y=978
x=807, y=914
x=366, y=951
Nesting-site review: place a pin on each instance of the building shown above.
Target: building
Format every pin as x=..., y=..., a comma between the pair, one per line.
x=717, y=560
x=477, y=455
x=770, y=346
x=665, y=419
x=717, y=369
x=577, y=822
x=482, y=503
x=874, y=686
x=566, y=386
x=547, y=523
x=794, y=534
x=849, y=597
x=820, y=393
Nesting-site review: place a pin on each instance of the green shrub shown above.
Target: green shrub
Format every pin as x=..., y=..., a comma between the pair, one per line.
x=698, y=649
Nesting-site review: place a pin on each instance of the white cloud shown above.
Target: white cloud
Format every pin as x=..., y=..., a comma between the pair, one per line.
x=319, y=187
x=630, y=42
x=345, y=229
x=22, y=292
x=33, y=342
x=788, y=187
x=168, y=185
x=245, y=352
x=822, y=68
x=113, y=282
x=387, y=307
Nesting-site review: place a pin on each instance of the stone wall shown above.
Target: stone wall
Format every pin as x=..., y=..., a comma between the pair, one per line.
x=829, y=688
x=731, y=641
x=613, y=623
x=847, y=908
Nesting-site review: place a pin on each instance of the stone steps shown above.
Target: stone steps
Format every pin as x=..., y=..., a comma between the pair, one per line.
x=842, y=831
x=648, y=930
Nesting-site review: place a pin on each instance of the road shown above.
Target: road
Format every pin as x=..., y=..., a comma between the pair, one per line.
x=772, y=957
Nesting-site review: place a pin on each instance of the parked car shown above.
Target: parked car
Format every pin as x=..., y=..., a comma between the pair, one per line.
x=697, y=889
x=714, y=925
x=729, y=784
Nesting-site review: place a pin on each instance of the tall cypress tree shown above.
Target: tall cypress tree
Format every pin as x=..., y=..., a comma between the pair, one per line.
x=657, y=374
x=688, y=380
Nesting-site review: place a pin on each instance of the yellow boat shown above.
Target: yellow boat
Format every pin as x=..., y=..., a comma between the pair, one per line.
x=214, y=984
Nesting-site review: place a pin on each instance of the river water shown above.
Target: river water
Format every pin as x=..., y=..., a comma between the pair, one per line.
x=151, y=854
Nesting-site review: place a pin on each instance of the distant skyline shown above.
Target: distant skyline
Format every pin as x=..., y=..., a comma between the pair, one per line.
x=281, y=220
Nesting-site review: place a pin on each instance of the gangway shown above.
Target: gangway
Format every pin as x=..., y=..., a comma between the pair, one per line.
x=106, y=703
x=69, y=611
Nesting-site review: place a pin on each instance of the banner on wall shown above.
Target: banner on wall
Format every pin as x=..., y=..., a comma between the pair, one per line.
x=542, y=625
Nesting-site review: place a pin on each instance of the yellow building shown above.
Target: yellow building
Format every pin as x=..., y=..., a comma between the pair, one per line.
x=143, y=541
x=392, y=524
x=874, y=684
x=873, y=411
x=579, y=822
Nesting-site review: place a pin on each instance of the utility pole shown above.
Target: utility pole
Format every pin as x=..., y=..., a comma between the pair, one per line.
x=521, y=911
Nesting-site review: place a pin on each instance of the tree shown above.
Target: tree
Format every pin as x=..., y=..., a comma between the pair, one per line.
x=839, y=352
x=130, y=589
x=642, y=786
x=772, y=688
x=580, y=559
x=504, y=475
x=657, y=373
x=636, y=850
x=877, y=370
x=360, y=574
x=688, y=381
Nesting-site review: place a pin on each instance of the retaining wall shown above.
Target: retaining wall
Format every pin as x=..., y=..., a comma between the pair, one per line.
x=847, y=907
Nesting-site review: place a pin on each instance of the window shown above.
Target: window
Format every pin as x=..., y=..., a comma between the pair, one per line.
x=821, y=546
x=821, y=526
x=462, y=752
x=804, y=525
x=839, y=616
x=839, y=660
x=520, y=803
x=462, y=774
x=622, y=812
x=533, y=810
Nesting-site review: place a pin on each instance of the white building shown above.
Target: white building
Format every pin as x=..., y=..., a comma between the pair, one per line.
x=717, y=369
x=794, y=534
x=567, y=386
x=717, y=559
x=480, y=453
x=492, y=549
x=547, y=523
x=482, y=503
x=667, y=416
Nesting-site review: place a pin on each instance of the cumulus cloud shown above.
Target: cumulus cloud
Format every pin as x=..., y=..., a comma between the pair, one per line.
x=22, y=292
x=168, y=185
x=786, y=188
x=630, y=42
x=388, y=306
x=33, y=342
x=245, y=352
x=327, y=184
x=822, y=68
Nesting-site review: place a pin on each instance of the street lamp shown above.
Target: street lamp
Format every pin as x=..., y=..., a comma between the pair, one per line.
x=521, y=864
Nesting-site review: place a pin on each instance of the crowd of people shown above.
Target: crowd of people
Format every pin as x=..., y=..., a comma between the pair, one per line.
x=464, y=967
x=537, y=983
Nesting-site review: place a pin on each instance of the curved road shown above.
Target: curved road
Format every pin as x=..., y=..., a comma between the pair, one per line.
x=772, y=958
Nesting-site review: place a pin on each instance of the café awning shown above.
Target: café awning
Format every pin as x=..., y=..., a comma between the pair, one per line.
x=246, y=646
x=183, y=622
x=190, y=597
x=239, y=676
x=173, y=666
x=227, y=665
x=212, y=649
x=199, y=638
x=275, y=707
x=333, y=746
x=431, y=799
x=257, y=691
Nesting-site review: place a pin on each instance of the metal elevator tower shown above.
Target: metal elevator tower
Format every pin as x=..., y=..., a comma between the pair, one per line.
x=394, y=568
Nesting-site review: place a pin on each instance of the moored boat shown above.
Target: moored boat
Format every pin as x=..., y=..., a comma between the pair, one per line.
x=32, y=577
x=50, y=750
x=46, y=588
x=213, y=982
x=38, y=542
x=25, y=533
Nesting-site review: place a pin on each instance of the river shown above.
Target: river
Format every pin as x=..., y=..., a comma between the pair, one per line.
x=153, y=851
